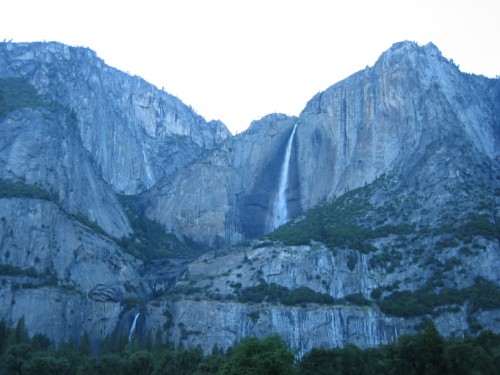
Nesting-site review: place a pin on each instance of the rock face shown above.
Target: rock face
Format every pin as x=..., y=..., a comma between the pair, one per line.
x=383, y=118
x=206, y=308
x=74, y=132
x=43, y=148
x=134, y=132
x=387, y=119
x=392, y=192
x=57, y=270
x=221, y=325
x=226, y=196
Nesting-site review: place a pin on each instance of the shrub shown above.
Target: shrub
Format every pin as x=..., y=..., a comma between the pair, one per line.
x=10, y=189
x=277, y=293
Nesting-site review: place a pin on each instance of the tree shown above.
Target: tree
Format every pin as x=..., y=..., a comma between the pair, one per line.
x=46, y=363
x=181, y=361
x=422, y=353
x=254, y=357
x=85, y=348
x=320, y=361
x=140, y=363
x=14, y=358
x=4, y=334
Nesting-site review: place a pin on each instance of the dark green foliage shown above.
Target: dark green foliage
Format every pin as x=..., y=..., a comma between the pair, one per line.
x=277, y=293
x=303, y=295
x=14, y=358
x=424, y=353
x=16, y=93
x=9, y=270
x=357, y=299
x=482, y=295
x=9, y=189
x=259, y=357
x=46, y=363
x=89, y=223
x=347, y=222
x=478, y=226
x=352, y=260
x=150, y=241
x=421, y=354
x=183, y=362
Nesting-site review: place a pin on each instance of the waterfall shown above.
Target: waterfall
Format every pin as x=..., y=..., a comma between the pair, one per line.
x=132, y=328
x=280, y=209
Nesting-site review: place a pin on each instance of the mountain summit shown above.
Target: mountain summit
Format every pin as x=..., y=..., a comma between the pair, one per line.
x=119, y=205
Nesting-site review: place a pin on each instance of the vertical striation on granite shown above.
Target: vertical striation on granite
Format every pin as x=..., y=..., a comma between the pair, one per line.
x=73, y=279
x=381, y=119
x=210, y=324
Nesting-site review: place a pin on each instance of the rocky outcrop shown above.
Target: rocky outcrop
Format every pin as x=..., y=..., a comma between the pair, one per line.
x=218, y=324
x=205, y=308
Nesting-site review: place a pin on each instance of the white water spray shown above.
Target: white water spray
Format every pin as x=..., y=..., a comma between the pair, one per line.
x=132, y=328
x=280, y=209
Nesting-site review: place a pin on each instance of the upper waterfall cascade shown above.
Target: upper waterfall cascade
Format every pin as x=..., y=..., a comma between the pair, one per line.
x=132, y=328
x=280, y=208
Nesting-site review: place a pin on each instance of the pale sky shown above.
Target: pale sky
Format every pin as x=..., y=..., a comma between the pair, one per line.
x=239, y=60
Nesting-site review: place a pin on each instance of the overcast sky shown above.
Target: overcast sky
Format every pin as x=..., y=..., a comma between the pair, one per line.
x=239, y=60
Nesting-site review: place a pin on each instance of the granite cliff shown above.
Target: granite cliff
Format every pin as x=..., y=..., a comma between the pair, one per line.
x=391, y=195
x=383, y=120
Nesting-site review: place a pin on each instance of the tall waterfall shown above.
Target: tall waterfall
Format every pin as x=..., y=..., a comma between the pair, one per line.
x=132, y=328
x=280, y=209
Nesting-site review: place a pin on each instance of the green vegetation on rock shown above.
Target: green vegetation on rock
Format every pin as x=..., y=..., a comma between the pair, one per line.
x=277, y=293
x=10, y=189
x=347, y=222
x=16, y=93
x=482, y=295
x=149, y=240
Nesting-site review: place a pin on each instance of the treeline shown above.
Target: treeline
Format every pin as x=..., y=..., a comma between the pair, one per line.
x=424, y=353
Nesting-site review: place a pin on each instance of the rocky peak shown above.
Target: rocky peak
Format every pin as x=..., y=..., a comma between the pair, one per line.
x=147, y=126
